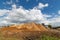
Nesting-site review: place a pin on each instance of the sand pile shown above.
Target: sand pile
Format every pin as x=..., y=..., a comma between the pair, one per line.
x=26, y=27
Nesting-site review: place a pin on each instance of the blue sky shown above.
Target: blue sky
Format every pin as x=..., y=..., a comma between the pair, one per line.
x=54, y=5
x=40, y=11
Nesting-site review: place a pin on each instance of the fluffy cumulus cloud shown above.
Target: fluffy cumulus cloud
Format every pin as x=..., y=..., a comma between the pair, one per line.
x=41, y=5
x=3, y=11
x=21, y=15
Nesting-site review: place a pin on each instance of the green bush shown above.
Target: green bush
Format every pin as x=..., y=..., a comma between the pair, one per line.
x=49, y=26
x=44, y=37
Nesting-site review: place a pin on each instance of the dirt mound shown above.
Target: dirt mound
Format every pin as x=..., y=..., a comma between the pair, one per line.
x=30, y=27
x=27, y=30
x=26, y=27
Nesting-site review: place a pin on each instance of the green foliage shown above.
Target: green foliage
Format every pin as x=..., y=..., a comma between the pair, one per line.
x=44, y=37
x=49, y=26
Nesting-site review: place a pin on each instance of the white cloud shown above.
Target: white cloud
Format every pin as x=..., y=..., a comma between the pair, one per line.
x=59, y=12
x=55, y=19
x=3, y=11
x=14, y=6
x=45, y=15
x=41, y=5
x=21, y=15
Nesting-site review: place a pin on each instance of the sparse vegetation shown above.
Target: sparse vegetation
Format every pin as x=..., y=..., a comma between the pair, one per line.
x=45, y=37
x=49, y=26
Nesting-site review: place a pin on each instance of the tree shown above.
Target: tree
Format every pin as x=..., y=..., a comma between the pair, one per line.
x=43, y=24
x=49, y=26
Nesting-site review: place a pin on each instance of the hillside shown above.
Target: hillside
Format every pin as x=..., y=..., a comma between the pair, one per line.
x=28, y=31
x=26, y=27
